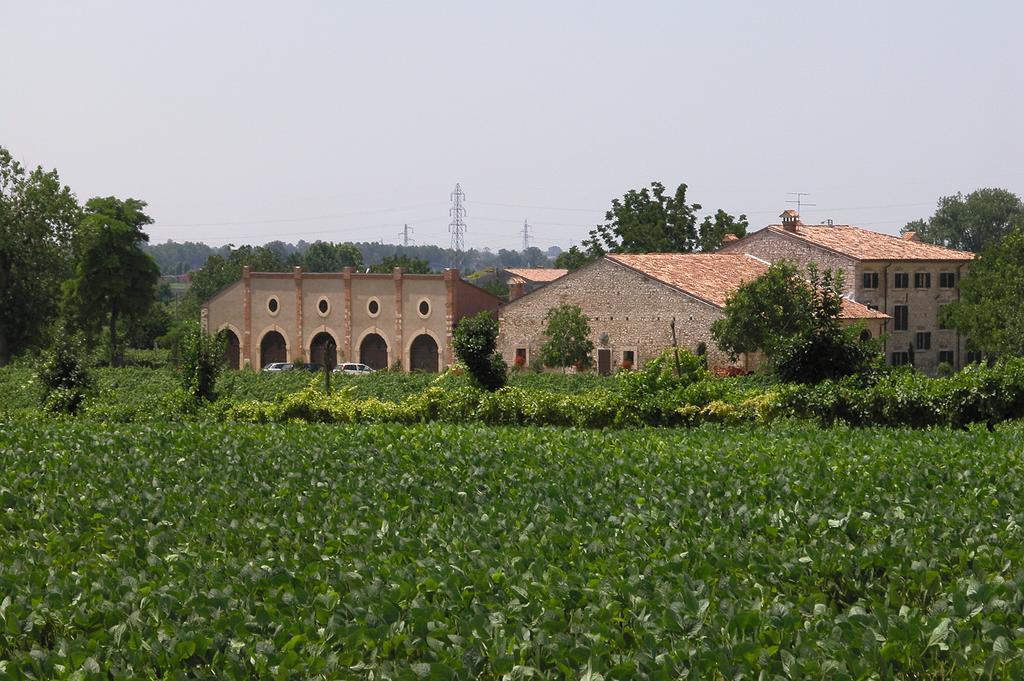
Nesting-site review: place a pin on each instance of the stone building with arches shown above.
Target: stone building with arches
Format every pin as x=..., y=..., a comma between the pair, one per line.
x=380, y=320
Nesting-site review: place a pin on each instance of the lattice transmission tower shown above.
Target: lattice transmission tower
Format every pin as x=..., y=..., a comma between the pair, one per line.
x=526, y=235
x=458, y=225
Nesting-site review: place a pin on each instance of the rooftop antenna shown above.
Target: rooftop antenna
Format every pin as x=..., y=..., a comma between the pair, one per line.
x=526, y=235
x=799, y=200
x=457, y=226
x=405, y=235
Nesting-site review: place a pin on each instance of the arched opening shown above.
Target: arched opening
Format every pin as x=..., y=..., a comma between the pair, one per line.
x=232, y=349
x=323, y=350
x=373, y=352
x=273, y=349
x=423, y=355
x=865, y=335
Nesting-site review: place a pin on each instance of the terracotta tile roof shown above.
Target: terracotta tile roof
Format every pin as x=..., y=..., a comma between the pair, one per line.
x=854, y=310
x=863, y=244
x=535, y=274
x=712, y=277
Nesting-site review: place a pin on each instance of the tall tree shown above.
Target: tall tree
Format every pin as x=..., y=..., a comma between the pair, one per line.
x=114, y=280
x=410, y=265
x=219, y=271
x=652, y=221
x=37, y=220
x=972, y=222
x=988, y=312
x=713, y=230
x=647, y=221
x=324, y=256
x=573, y=259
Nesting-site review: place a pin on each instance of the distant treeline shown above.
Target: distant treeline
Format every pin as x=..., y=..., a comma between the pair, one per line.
x=182, y=257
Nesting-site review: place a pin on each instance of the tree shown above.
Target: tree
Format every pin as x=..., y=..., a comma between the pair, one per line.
x=114, y=278
x=573, y=259
x=534, y=257
x=762, y=314
x=651, y=221
x=972, y=222
x=324, y=256
x=409, y=264
x=714, y=230
x=37, y=220
x=795, y=322
x=64, y=374
x=988, y=312
x=647, y=221
x=474, y=341
x=219, y=271
x=568, y=333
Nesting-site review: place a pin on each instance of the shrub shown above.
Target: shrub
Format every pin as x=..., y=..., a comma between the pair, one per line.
x=568, y=342
x=474, y=343
x=824, y=352
x=64, y=376
x=202, y=358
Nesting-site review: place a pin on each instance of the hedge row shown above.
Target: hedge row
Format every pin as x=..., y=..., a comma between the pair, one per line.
x=977, y=394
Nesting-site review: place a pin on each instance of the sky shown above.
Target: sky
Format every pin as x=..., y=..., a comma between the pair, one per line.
x=244, y=122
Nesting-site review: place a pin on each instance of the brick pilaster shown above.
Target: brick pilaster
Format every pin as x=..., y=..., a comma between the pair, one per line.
x=346, y=340
x=299, y=352
x=397, y=355
x=246, y=316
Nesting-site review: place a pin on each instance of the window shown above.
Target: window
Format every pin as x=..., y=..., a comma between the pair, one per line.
x=373, y=307
x=323, y=306
x=924, y=340
x=520, y=360
x=972, y=357
x=901, y=316
x=898, y=359
x=273, y=306
x=946, y=357
x=628, y=359
x=947, y=279
x=871, y=280
x=922, y=279
x=423, y=309
x=901, y=280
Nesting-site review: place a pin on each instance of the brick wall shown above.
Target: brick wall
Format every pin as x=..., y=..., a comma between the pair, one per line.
x=627, y=312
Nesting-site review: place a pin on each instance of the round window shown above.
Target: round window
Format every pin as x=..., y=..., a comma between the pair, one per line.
x=273, y=306
x=373, y=307
x=323, y=307
x=424, y=308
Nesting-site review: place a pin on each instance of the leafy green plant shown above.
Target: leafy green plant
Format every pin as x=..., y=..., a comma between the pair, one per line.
x=202, y=359
x=64, y=375
x=568, y=341
x=474, y=342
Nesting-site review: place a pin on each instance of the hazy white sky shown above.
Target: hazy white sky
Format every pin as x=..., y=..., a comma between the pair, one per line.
x=248, y=121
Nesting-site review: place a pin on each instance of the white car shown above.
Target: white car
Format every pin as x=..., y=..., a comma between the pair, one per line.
x=278, y=366
x=353, y=369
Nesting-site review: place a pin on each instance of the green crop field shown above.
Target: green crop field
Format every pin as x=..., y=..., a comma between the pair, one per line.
x=300, y=551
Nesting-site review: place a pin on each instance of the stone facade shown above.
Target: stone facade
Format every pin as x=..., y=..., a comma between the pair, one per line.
x=920, y=339
x=376, y=319
x=629, y=313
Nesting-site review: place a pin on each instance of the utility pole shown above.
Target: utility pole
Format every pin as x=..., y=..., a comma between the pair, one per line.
x=457, y=226
x=405, y=235
x=526, y=235
x=799, y=200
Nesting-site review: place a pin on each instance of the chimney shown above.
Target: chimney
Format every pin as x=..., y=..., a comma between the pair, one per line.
x=515, y=290
x=911, y=236
x=790, y=220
